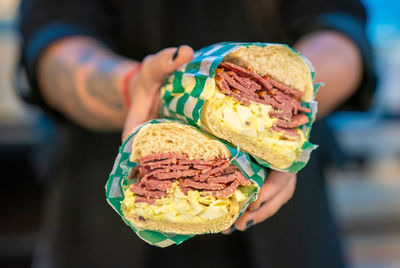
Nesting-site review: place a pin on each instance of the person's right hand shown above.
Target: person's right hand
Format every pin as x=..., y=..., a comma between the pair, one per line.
x=144, y=86
x=277, y=189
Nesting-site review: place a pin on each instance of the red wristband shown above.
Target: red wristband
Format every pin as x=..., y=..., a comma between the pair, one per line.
x=125, y=84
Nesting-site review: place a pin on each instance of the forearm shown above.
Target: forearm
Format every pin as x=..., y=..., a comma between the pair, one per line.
x=338, y=64
x=82, y=79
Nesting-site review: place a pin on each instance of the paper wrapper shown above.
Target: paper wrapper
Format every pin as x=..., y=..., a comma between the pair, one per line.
x=185, y=91
x=118, y=181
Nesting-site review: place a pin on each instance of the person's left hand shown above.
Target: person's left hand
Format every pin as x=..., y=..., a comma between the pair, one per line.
x=277, y=189
x=144, y=87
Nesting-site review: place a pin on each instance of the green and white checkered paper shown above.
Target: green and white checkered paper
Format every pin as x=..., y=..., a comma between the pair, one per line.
x=183, y=93
x=118, y=181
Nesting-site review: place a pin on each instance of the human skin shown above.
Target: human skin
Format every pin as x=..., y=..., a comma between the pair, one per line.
x=82, y=79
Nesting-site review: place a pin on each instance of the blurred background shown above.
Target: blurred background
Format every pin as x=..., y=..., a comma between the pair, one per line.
x=365, y=192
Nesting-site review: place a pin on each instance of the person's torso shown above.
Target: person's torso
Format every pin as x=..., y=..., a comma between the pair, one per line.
x=145, y=27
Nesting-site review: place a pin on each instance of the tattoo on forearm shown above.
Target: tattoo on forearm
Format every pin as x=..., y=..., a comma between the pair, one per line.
x=86, y=54
x=101, y=83
x=60, y=77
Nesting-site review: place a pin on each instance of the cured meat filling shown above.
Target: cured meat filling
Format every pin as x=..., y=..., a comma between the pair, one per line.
x=157, y=173
x=244, y=86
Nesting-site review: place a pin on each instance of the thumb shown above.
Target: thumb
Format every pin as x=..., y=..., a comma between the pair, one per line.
x=156, y=67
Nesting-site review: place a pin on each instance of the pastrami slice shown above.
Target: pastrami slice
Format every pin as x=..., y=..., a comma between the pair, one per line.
x=222, y=179
x=245, y=86
x=176, y=174
x=229, y=190
x=155, y=181
x=147, y=193
x=153, y=184
x=285, y=89
x=201, y=185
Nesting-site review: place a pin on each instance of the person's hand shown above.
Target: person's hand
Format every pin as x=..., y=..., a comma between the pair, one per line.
x=277, y=189
x=144, y=86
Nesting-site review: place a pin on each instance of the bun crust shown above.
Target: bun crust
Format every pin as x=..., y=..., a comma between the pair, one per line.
x=279, y=62
x=176, y=138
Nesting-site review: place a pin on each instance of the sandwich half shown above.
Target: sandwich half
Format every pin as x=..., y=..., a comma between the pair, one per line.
x=259, y=102
x=184, y=182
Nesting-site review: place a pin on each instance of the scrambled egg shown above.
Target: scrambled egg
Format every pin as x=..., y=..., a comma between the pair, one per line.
x=249, y=121
x=178, y=207
x=253, y=121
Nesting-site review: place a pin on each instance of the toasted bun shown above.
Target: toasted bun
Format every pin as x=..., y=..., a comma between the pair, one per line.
x=279, y=62
x=283, y=65
x=175, y=137
x=211, y=226
x=277, y=159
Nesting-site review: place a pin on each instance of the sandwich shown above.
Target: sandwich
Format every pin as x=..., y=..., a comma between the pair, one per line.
x=184, y=182
x=256, y=96
x=259, y=103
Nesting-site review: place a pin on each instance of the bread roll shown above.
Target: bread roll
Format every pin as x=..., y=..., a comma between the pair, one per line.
x=198, y=211
x=250, y=125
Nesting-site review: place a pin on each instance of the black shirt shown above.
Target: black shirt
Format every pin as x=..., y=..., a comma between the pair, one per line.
x=137, y=28
x=80, y=229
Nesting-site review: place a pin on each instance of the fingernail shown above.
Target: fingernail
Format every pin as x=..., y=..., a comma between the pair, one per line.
x=249, y=224
x=232, y=229
x=176, y=53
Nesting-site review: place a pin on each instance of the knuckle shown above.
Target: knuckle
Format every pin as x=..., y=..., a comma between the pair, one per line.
x=291, y=187
x=277, y=178
x=263, y=213
x=146, y=73
x=146, y=65
x=239, y=226
x=146, y=61
x=289, y=191
x=253, y=206
x=271, y=182
x=266, y=214
x=164, y=66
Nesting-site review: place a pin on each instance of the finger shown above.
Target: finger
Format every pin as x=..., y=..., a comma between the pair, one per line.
x=249, y=214
x=156, y=67
x=134, y=119
x=155, y=109
x=153, y=72
x=273, y=184
x=229, y=230
x=268, y=209
x=140, y=111
x=137, y=116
